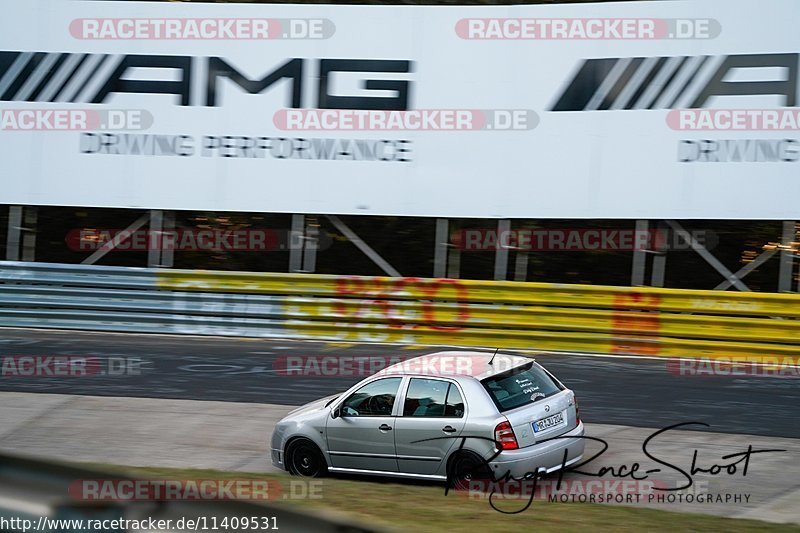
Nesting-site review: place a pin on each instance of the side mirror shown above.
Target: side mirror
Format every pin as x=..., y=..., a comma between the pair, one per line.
x=335, y=412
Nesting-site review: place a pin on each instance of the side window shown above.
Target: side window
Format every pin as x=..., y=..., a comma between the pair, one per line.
x=432, y=398
x=373, y=399
x=454, y=405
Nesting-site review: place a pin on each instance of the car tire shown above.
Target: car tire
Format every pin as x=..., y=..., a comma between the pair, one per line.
x=303, y=458
x=464, y=468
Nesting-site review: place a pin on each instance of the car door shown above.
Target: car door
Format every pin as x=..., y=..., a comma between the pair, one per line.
x=433, y=416
x=362, y=436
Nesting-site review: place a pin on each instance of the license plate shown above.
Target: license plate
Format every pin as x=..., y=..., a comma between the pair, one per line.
x=549, y=422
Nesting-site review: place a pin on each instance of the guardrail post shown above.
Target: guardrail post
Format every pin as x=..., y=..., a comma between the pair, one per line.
x=639, y=257
x=440, y=248
x=310, y=246
x=14, y=230
x=501, y=255
x=303, y=244
x=521, y=266
x=156, y=226
x=660, y=257
x=168, y=252
x=787, y=257
x=454, y=262
x=296, y=252
x=29, y=237
x=21, y=234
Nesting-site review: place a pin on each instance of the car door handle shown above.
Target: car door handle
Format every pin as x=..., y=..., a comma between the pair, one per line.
x=385, y=427
x=449, y=429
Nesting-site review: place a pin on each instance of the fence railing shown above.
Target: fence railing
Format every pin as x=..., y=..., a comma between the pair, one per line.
x=544, y=316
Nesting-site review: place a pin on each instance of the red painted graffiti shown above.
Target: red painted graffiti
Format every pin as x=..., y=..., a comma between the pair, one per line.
x=636, y=312
x=381, y=295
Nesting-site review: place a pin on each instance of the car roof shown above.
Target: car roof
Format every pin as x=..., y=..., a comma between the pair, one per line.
x=454, y=363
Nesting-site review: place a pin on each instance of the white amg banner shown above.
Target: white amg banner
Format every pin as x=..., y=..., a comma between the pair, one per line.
x=679, y=109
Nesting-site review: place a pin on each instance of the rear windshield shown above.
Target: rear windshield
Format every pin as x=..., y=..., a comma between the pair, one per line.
x=520, y=386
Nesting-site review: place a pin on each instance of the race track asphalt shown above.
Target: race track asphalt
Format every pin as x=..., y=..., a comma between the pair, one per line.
x=627, y=391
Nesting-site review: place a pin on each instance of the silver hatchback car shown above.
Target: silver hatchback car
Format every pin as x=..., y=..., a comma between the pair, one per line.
x=440, y=416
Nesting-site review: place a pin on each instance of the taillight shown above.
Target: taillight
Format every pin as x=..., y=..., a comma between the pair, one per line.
x=577, y=411
x=504, y=436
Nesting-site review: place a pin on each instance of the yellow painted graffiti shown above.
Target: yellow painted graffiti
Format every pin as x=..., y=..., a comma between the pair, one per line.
x=545, y=316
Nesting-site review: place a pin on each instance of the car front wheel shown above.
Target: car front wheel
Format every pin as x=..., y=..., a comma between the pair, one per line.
x=303, y=458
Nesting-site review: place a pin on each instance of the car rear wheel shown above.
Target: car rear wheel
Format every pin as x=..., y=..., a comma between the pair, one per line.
x=468, y=471
x=303, y=458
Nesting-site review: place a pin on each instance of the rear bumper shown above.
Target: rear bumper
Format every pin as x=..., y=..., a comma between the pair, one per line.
x=548, y=455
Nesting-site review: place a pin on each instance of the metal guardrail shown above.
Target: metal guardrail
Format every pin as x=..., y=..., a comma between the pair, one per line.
x=405, y=310
x=491, y=292
x=43, y=494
